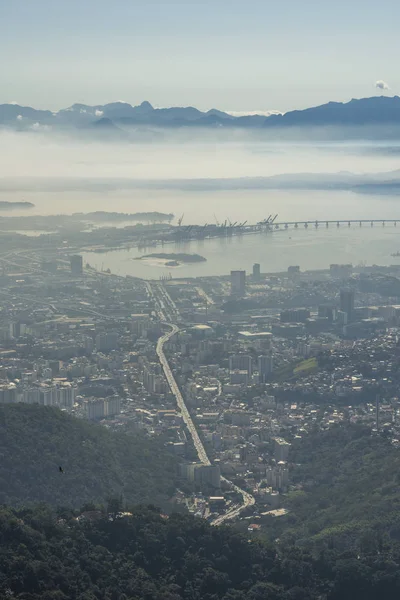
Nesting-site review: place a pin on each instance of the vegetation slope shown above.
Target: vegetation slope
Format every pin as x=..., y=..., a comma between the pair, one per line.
x=340, y=540
x=98, y=463
x=349, y=490
x=146, y=556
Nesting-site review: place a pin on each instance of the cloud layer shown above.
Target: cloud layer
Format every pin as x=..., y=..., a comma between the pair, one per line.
x=245, y=113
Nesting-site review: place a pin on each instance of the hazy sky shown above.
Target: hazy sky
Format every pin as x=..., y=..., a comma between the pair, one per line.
x=229, y=54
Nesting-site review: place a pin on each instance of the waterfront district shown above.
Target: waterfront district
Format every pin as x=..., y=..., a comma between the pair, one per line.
x=230, y=370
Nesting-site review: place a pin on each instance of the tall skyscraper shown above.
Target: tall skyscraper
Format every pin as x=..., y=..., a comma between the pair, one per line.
x=256, y=272
x=238, y=283
x=265, y=367
x=105, y=342
x=241, y=362
x=76, y=262
x=347, y=303
x=281, y=449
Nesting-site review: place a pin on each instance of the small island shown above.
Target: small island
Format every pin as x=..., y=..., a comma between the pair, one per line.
x=173, y=259
x=4, y=205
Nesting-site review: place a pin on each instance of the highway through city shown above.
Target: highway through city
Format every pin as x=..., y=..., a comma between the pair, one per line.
x=177, y=393
x=167, y=313
x=165, y=307
x=248, y=499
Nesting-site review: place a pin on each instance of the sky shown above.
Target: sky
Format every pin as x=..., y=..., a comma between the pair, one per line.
x=233, y=55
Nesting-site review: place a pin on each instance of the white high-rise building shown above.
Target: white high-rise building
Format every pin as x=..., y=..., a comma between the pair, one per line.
x=281, y=449
x=112, y=406
x=238, y=283
x=241, y=362
x=8, y=393
x=94, y=409
x=67, y=395
x=265, y=367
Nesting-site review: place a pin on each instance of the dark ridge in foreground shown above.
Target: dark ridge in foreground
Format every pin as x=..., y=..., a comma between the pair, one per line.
x=140, y=554
x=35, y=440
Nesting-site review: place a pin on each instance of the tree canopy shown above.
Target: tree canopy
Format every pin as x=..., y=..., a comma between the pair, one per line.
x=348, y=490
x=98, y=463
x=148, y=556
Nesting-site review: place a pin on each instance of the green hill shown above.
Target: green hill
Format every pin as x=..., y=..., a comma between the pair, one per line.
x=349, y=490
x=98, y=463
x=146, y=556
x=139, y=557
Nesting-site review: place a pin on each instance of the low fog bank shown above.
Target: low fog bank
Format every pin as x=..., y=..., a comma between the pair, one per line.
x=44, y=155
x=374, y=183
x=240, y=175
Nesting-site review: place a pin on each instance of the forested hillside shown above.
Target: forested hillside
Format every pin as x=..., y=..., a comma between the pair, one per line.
x=349, y=490
x=97, y=463
x=338, y=542
x=147, y=556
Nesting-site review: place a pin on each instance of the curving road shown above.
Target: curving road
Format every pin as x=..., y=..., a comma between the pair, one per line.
x=177, y=393
x=248, y=499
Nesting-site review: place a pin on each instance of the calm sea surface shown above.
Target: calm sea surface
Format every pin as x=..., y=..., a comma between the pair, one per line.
x=208, y=157
x=311, y=249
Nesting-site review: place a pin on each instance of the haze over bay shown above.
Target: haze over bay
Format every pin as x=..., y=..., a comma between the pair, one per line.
x=59, y=174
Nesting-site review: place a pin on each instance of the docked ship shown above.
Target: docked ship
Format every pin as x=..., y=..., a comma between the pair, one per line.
x=395, y=254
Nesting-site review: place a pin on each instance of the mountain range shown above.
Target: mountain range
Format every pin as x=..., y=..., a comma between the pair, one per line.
x=381, y=111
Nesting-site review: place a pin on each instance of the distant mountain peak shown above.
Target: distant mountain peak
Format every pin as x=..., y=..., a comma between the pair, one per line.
x=375, y=110
x=146, y=105
x=119, y=103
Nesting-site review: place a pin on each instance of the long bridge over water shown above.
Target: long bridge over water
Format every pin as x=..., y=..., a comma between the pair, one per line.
x=188, y=233
x=325, y=223
x=271, y=224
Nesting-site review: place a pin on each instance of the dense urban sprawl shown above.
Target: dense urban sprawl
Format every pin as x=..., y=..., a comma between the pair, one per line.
x=231, y=370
